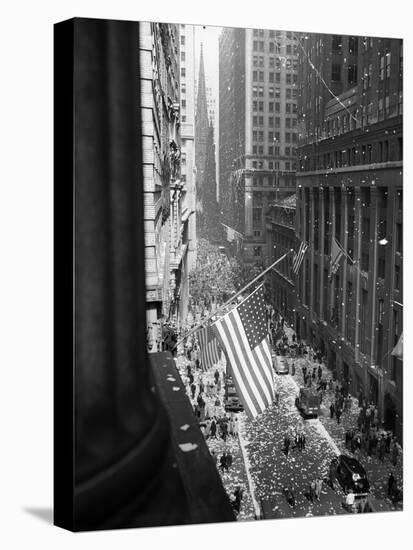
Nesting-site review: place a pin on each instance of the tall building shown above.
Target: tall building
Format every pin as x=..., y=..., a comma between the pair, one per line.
x=188, y=172
x=350, y=193
x=207, y=206
x=257, y=129
x=166, y=230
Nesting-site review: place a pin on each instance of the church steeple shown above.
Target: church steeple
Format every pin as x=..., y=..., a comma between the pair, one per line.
x=201, y=134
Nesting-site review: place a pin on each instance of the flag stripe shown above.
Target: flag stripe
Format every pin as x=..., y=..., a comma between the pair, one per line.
x=241, y=366
x=298, y=258
x=245, y=396
x=264, y=360
x=209, y=348
x=251, y=359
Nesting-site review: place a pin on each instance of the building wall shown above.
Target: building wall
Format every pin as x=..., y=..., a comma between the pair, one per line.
x=350, y=188
x=261, y=166
x=281, y=238
x=160, y=107
x=188, y=172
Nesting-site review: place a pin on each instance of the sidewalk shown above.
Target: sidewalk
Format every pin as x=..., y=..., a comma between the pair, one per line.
x=236, y=475
x=377, y=471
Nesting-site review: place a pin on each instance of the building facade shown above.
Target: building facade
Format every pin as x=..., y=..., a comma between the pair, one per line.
x=188, y=171
x=349, y=189
x=166, y=230
x=257, y=129
x=280, y=239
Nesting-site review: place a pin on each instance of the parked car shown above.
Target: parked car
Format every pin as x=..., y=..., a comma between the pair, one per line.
x=281, y=364
x=352, y=476
x=232, y=402
x=308, y=402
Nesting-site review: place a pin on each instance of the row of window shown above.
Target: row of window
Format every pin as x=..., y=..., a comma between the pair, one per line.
x=274, y=121
x=276, y=165
x=274, y=47
x=274, y=107
x=380, y=151
x=274, y=92
x=258, y=76
x=273, y=34
x=258, y=136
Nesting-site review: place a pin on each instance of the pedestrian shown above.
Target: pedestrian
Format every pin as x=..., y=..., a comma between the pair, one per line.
x=312, y=490
x=223, y=462
x=193, y=390
x=286, y=444
x=216, y=376
x=293, y=369
x=290, y=496
x=213, y=431
x=388, y=441
x=235, y=428
x=214, y=457
x=276, y=398
x=236, y=503
x=302, y=441
x=332, y=410
x=395, y=453
x=382, y=448
x=313, y=375
x=332, y=472
x=391, y=482
x=320, y=372
x=318, y=488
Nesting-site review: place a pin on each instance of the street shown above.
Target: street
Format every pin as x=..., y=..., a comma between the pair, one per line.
x=264, y=470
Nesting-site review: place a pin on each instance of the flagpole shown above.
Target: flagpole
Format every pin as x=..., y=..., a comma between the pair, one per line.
x=231, y=299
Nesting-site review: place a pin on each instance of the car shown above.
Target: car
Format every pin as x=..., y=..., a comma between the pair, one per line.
x=232, y=402
x=352, y=476
x=308, y=402
x=281, y=364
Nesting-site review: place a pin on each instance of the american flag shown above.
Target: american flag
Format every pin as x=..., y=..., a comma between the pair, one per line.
x=243, y=334
x=298, y=258
x=337, y=253
x=209, y=348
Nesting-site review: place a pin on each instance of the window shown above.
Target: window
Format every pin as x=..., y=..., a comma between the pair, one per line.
x=277, y=121
x=381, y=268
x=271, y=47
x=260, y=105
x=399, y=238
x=288, y=77
x=287, y=166
x=277, y=107
x=352, y=44
x=271, y=150
x=336, y=72
x=261, y=75
x=184, y=104
x=364, y=262
x=288, y=49
x=182, y=56
x=254, y=120
x=288, y=107
x=288, y=137
x=182, y=40
x=272, y=62
x=336, y=43
x=254, y=76
x=288, y=93
x=388, y=62
x=287, y=151
x=271, y=165
x=257, y=251
x=183, y=72
x=271, y=121
x=288, y=122
x=352, y=74
x=261, y=120
x=397, y=277
x=271, y=77
x=382, y=67
x=277, y=78
x=277, y=92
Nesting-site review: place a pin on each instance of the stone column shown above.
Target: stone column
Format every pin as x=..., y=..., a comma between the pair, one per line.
x=357, y=265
